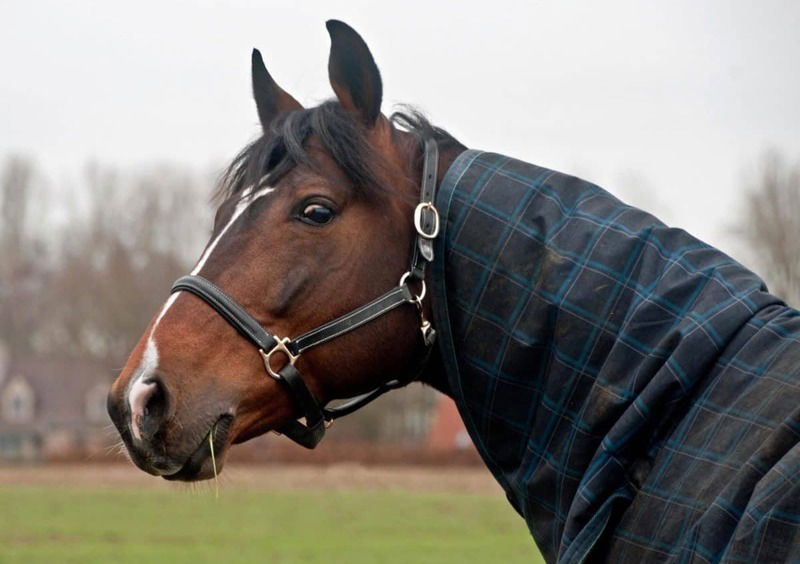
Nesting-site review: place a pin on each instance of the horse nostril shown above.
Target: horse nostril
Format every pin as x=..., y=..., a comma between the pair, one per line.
x=148, y=401
x=154, y=411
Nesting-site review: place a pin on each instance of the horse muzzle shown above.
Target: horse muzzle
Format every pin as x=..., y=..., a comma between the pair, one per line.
x=145, y=420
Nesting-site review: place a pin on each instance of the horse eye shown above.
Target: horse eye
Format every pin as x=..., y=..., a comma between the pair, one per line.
x=318, y=214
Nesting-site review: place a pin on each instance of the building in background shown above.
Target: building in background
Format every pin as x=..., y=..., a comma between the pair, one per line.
x=52, y=408
x=447, y=431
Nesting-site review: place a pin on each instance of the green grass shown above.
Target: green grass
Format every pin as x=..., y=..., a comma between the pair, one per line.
x=50, y=524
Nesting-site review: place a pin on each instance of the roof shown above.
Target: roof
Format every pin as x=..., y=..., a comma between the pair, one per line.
x=60, y=387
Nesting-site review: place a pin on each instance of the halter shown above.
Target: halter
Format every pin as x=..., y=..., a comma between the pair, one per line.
x=318, y=417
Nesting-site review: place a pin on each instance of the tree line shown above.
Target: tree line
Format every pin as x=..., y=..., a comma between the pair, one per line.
x=769, y=224
x=84, y=266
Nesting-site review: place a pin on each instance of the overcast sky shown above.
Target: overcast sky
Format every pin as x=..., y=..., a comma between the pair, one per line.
x=666, y=104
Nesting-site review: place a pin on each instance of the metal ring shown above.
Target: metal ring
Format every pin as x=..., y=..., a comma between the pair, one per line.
x=418, y=220
x=421, y=296
x=280, y=346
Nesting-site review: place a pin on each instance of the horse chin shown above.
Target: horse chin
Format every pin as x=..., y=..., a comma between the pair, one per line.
x=201, y=465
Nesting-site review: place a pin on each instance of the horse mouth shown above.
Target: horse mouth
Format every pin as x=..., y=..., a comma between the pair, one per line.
x=201, y=464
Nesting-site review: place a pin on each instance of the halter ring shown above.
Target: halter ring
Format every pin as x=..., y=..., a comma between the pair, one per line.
x=417, y=299
x=418, y=220
x=280, y=346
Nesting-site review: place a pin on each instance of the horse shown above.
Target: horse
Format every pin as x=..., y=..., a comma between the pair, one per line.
x=632, y=389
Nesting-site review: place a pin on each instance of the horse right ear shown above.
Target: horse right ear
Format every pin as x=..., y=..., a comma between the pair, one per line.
x=353, y=73
x=271, y=99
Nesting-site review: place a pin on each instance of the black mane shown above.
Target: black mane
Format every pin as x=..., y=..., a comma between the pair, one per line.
x=283, y=146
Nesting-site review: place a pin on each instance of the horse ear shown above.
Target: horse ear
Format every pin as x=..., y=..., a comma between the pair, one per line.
x=271, y=99
x=353, y=72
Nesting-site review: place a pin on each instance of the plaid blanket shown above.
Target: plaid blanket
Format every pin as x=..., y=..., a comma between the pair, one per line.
x=634, y=390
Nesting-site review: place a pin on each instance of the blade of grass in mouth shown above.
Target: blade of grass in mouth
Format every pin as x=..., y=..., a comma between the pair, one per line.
x=214, y=460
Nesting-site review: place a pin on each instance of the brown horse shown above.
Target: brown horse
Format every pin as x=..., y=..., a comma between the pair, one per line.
x=633, y=389
x=316, y=221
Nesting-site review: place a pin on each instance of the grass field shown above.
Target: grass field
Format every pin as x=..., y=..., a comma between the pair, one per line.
x=53, y=521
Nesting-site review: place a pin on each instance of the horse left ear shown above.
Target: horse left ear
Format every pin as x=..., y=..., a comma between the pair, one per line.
x=353, y=72
x=271, y=99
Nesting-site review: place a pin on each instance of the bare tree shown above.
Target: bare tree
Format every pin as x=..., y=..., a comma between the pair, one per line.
x=771, y=225
x=116, y=258
x=22, y=272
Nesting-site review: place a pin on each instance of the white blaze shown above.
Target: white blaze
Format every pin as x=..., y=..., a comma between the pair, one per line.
x=139, y=392
x=137, y=389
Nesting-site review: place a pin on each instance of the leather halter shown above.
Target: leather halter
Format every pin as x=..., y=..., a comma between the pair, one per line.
x=317, y=417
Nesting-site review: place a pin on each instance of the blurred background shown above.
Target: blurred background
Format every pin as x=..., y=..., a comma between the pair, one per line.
x=116, y=121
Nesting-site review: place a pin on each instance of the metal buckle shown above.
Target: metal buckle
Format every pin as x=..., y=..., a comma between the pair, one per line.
x=418, y=220
x=280, y=346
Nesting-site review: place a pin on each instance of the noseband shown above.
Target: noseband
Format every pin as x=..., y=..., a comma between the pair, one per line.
x=318, y=417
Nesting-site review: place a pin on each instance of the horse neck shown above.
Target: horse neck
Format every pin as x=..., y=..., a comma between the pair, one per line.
x=448, y=152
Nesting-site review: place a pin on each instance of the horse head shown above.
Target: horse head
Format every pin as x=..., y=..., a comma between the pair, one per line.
x=315, y=221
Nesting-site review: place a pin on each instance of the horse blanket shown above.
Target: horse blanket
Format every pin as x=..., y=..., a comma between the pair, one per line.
x=635, y=391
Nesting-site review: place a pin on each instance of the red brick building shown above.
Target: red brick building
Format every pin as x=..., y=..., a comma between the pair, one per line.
x=447, y=431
